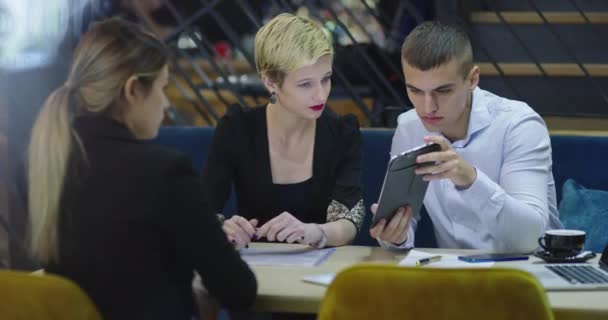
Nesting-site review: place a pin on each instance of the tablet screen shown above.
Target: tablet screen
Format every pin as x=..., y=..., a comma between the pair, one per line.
x=401, y=186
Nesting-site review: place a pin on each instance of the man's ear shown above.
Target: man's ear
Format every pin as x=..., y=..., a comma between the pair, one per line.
x=473, y=77
x=131, y=90
x=270, y=85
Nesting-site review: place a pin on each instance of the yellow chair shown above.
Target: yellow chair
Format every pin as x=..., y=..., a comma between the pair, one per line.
x=43, y=297
x=379, y=292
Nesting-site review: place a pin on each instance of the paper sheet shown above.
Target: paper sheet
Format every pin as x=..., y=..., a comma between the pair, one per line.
x=306, y=257
x=447, y=261
x=323, y=279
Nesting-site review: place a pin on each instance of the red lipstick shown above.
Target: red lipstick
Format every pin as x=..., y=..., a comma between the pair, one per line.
x=318, y=107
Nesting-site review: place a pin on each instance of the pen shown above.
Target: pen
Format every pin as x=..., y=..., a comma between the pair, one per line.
x=428, y=260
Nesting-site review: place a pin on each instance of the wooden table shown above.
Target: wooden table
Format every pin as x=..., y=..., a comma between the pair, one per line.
x=282, y=290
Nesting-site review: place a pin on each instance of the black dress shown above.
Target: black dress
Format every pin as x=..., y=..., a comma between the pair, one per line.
x=133, y=228
x=239, y=155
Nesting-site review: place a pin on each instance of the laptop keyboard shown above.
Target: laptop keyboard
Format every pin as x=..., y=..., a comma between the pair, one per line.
x=583, y=274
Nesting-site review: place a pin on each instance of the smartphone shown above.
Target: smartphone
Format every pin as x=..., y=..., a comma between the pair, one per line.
x=401, y=185
x=491, y=257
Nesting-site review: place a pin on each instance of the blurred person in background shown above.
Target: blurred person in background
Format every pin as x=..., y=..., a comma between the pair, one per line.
x=37, y=39
x=121, y=218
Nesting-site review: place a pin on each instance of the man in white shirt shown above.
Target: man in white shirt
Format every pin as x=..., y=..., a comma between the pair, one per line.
x=491, y=186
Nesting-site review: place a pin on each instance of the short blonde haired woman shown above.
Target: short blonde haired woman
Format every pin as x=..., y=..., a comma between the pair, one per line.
x=295, y=165
x=122, y=218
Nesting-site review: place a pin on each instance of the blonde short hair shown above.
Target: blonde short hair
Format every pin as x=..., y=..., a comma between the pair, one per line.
x=289, y=42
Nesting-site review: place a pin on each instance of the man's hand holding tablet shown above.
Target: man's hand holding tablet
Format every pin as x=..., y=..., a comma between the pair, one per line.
x=395, y=230
x=401, y=195
x=445, y=164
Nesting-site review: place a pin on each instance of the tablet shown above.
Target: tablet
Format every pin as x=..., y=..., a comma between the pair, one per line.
x=401, y=185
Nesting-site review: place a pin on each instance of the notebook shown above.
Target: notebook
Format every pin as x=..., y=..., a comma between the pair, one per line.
x=287, y=257
x=571, y=276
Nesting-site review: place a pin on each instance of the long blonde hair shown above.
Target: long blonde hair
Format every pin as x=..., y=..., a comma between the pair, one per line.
x=106, y=56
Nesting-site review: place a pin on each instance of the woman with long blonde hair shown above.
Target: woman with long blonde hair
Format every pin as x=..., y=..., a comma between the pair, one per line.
x=123, y=218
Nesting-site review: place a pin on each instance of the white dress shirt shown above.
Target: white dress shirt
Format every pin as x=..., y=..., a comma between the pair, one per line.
x=512, y=201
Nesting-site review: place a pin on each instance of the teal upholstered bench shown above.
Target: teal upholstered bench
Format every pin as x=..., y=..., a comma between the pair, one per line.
x=579, y=158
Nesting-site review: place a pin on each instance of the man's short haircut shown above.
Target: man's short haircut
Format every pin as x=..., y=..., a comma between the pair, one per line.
x=433, y=43
x=289, y=42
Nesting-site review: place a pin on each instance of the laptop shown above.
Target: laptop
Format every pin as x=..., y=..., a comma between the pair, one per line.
x=571, y=276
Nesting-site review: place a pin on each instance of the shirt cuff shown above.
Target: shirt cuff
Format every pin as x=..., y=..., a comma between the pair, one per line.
x=483, y=197
x=409, y=243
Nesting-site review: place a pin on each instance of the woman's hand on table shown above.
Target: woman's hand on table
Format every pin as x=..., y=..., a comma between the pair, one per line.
x=240, y=231
x=287, y=228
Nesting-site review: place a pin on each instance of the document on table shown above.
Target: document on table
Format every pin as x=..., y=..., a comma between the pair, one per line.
x=300, y=257
x=323, y=279
x=446, y=261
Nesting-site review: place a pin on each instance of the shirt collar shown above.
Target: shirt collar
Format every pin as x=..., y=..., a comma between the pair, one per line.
x=478, y=119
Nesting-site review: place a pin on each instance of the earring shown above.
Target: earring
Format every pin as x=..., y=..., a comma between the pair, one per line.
x=273, y=98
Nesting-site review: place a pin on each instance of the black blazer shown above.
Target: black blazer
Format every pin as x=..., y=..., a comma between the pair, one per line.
x=239, y=155
x=134, y=227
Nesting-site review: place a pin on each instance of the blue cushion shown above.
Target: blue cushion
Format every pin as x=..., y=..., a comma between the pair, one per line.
x=586, y=209
x=376, y=153
x=581, y=158
x=193, y=142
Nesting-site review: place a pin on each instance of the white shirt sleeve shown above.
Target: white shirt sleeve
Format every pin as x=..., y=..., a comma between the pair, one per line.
x=516, y=211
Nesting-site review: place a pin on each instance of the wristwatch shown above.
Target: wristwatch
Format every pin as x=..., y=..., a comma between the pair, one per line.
x=323, y=241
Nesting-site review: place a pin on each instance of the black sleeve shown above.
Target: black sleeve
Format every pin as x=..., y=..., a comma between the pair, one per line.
x=220, y=167
x=347, y=202
x=200, y=241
